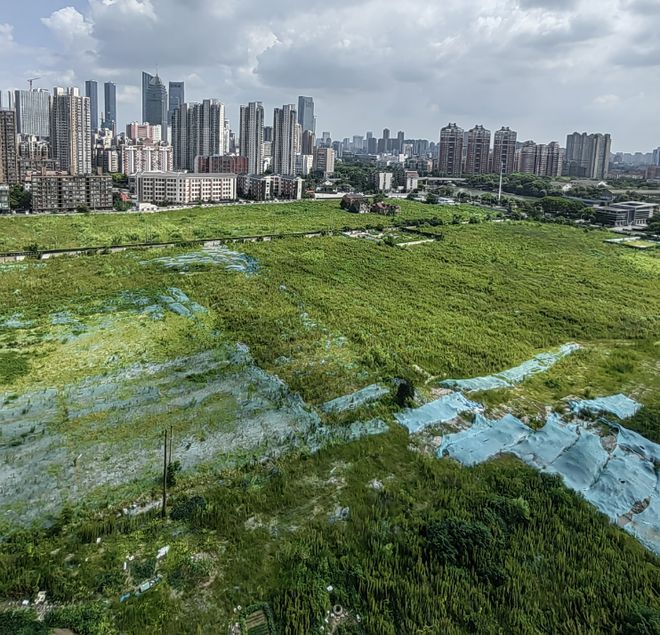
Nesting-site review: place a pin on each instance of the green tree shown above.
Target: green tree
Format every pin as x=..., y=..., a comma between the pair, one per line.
x=432, y=199
x=20, y=199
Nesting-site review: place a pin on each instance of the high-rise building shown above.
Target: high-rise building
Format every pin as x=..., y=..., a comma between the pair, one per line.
x=268, y=134
x=32, y=112
x=92, y=91
x=110, y=113
x=504, y=151
x=384, y=143
x=143, y=132
x=177, y=98
x=588, y=155
x=371, y=143
x=400, y=138
x=450, y=154
x=656, y=156
x=297, y=139
x=308, y=142
x=478, y=151
x=71, y=131
x=527, y=158
x=197, y=129
x=284, y=139
x=540, y=159
x=8, y=148
x=306, y=113
x=251, y=136
x=324, y=161
x=154, y=102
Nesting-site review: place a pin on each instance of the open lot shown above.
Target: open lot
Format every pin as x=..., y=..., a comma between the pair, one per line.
x=239, y=352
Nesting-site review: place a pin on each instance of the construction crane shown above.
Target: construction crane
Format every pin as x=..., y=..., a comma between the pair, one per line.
x=33, y=79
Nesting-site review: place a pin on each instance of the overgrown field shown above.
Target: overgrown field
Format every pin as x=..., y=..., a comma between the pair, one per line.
x=19, y=233
x=99, y=354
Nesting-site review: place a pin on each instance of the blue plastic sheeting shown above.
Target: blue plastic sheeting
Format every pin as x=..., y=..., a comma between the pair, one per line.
x=619, y=479
x=356, y=399
x=178, y=302
x=581, y=463
x=211, y=256
x=16, y=321
x=544, y=447
x=645, y=526
x=484, y=440
x=440, y=411
x=618, y=405
x=512, y=376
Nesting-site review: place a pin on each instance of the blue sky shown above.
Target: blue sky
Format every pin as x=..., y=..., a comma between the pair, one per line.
x=543, y=67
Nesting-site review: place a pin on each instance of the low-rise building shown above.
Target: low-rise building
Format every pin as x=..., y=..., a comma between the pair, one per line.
x=411, y=180
x=4, y=199
x=146, y=157
x=264, y=187
x=67, y=193
x=355, y=203
x=183, y=188
x=324, y=161
x=626, y=214
x=382, y=181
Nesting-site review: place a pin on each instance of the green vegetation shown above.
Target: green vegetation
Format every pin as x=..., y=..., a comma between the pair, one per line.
x=51, y=232
x=409, y=543
x=498, y=548
x=20, y=199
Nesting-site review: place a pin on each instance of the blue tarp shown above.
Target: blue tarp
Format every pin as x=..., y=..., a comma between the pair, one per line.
x=619, y=477
x=512, y=376
x=618, y=405
x=356, y=399
x=440, y=411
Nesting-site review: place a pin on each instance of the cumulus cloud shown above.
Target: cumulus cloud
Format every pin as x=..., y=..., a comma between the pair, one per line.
x=6, y=36
x=545, y=67
x=70, y=27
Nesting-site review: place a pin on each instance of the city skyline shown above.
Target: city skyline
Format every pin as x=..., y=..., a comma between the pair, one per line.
x=540, y=45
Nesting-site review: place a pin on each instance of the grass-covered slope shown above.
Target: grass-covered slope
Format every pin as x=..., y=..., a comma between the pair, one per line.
x=411, y=544
x=19, y=233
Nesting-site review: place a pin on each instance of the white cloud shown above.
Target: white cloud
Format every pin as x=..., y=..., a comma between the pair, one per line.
x=6, y=36
x=70, y=27
x=545, y=67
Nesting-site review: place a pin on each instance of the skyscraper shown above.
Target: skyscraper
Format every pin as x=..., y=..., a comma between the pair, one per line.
x=92, y=91
x=71, y=131
x=306, y=113
x=504, y=151
x=154, y=102
x=251, y=133
x=400, y=138
x=384, y=143
x=8, y=150
x=450, y=153
x=110, y=113
x=284, y=139
x=32, y=112
x=478, y=151
x=308, y=142
x=588, y=155
x=177, y=97
x=197, y=130
x=527, y=158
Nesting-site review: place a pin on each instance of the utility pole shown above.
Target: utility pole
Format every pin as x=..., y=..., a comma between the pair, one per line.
x=162, y=511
